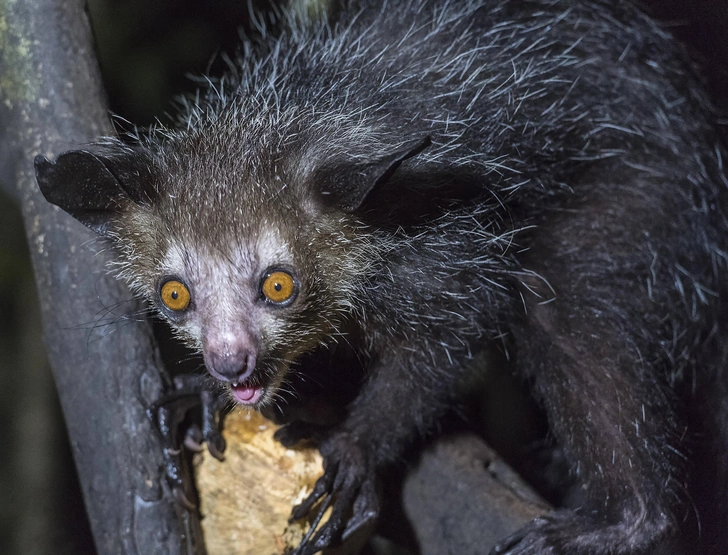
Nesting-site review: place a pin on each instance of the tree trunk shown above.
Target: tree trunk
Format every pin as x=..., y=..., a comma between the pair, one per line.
x=105, y=366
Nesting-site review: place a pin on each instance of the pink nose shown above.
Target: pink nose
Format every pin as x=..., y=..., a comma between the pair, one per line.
x=230, y=366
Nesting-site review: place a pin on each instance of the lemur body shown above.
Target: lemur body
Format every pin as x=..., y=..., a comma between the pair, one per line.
x=421, y=182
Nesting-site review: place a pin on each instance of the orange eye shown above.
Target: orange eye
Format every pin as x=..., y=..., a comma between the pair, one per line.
x=279, y=287
x=175, y=295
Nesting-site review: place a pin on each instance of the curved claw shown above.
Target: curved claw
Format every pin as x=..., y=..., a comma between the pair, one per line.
x=366, y=509
x=523, y=538
x=216, y=446
x=349, y=484
x=563, y=532
x=341, y=525
x=183, y=500
x=303, y=546
x=193, y=439
x=330, y=533
x=323, y=486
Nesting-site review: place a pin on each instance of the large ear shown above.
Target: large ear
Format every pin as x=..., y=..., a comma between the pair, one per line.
x=92, y=188
x=347, y=188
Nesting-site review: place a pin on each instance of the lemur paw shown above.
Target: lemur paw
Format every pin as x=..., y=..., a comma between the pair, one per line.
x=349, y=487
x=168, y=414
x=536, y=537
x=566, y=533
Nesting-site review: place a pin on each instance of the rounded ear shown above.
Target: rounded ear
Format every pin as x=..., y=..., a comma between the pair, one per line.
x=347, y=186
x=91, y=187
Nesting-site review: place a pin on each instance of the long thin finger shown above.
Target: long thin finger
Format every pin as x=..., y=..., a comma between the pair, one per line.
x=210, y=428
x=302, y=547
x=330, y=533
x=366, y=509
x=322, y=487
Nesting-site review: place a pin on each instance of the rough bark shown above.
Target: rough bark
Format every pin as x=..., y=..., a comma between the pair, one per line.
x=462, y=499
x=106, y=368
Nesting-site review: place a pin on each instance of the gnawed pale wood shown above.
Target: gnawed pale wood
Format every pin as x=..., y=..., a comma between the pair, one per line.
x=247, y=499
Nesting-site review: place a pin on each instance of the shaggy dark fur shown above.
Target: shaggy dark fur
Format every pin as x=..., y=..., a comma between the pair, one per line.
x=542, y=177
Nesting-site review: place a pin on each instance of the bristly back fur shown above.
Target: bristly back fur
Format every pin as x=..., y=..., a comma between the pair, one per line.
x=570, y=210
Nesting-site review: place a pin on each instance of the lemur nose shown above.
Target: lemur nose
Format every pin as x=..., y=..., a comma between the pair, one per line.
x=233, y=367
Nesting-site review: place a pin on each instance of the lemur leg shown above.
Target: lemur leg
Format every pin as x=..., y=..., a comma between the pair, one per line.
x=594, y=354
x=398, y=403
x=618, y=430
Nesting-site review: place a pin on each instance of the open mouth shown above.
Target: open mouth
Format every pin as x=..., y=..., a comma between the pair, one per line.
x=246, y=394
x=256, y=388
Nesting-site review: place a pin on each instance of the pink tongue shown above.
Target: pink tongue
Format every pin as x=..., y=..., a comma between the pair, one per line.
x=246, y=395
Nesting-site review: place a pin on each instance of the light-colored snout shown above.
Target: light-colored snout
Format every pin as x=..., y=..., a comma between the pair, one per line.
x=230, y=358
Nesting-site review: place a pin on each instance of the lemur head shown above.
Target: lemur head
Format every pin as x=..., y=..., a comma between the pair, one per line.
x=252, y=261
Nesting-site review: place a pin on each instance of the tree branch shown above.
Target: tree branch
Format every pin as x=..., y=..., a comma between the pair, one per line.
x=105, y=366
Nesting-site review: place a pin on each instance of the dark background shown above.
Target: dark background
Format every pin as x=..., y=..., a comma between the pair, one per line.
x=146, y=48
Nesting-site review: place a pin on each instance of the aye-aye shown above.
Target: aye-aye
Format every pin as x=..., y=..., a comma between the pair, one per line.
x=421, y=181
